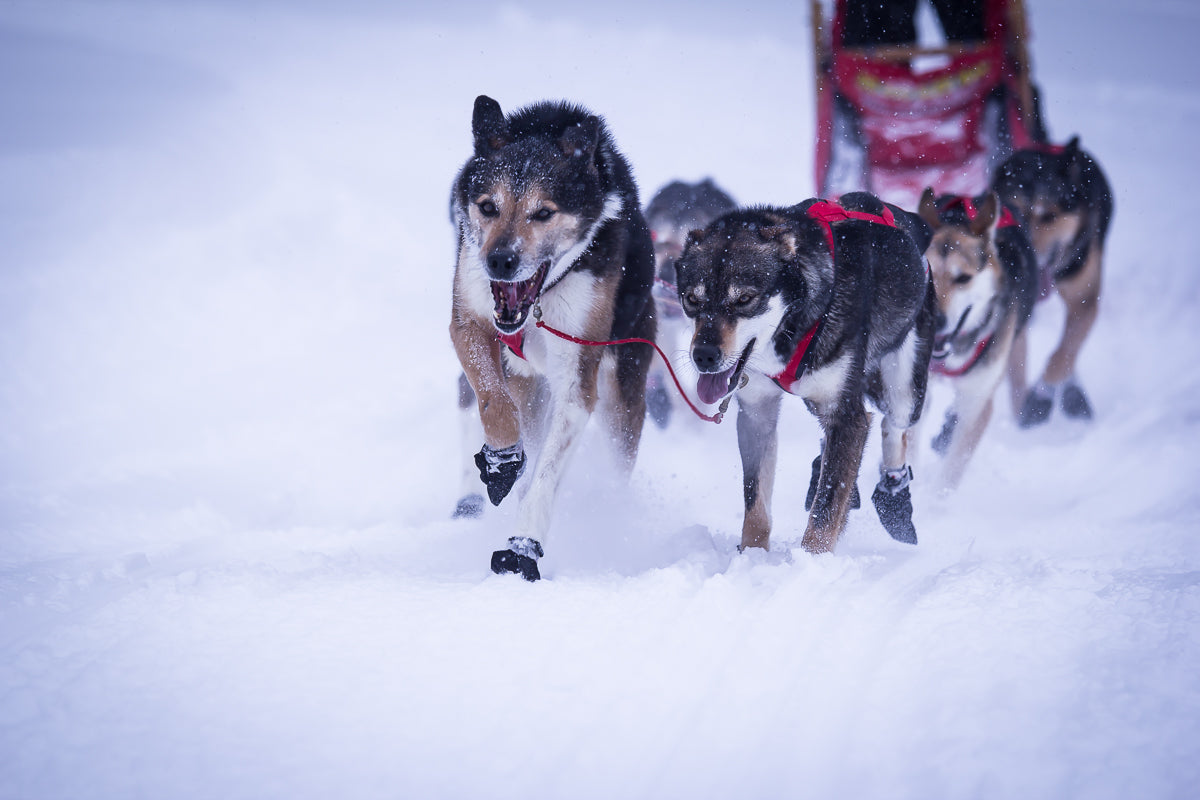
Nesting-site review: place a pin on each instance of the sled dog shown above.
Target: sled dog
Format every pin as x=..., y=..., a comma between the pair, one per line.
x=1062, y=200
x=550, y=231
x=985, y=278
x=828, y=302
x=675, y=209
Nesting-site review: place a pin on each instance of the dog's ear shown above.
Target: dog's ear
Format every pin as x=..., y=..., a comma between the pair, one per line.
x=695, y=236
x=489, y=126
x=1071, y=149
x=581, y=140
x=987, y=214
x=927, y=210
x=783, y=237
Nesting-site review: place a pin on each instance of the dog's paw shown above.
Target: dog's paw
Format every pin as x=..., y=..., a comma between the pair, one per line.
x=1074, y=402
x=658, y=404
x=499, y=470
x=893, y=504
x=941, y=442
x=469, y=506
x=1039, y=402
x=519, y=559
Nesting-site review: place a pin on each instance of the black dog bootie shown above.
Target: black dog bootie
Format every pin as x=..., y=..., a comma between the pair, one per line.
x=941, y=442
x=519, y=559
x=1037, y=406
x=1075, y=402
x=893, y=503
x=499, y=470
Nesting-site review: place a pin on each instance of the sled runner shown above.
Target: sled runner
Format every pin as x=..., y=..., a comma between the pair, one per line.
x=894, y=117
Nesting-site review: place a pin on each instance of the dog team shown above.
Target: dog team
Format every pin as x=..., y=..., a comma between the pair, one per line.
x=563, y=286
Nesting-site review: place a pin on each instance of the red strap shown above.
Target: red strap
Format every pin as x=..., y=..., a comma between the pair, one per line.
x=827, y=213
x=788, y=377
x=1007, y=220
x=715, y=418
x=941, y=369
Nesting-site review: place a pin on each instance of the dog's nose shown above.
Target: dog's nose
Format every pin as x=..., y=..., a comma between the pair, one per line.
x=502, y=264
x=706, y=357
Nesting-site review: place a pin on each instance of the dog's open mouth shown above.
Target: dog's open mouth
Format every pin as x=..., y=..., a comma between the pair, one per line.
x=514, y=299
x=942, y=341
x=711, y=387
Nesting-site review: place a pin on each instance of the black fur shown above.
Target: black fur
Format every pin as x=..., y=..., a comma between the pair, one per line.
x=1070, y=180
x=863, y=300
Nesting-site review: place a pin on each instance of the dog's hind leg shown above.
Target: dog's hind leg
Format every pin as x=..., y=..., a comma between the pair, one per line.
x=624, y=407
x=471, y=502
x=902, y=380
x=845, y=437
x=758, y=438
x=1081, y=295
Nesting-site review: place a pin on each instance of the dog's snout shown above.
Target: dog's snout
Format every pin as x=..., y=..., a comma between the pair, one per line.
x=939, y=320
x=706, y=357
x=502, y=263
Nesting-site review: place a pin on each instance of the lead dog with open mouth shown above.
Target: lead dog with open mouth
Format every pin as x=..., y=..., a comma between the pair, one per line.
x=549, y=228
x=828, y=302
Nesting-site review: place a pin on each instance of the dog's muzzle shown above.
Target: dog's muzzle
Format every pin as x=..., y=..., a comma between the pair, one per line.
x=513, y=300
x=711, y=387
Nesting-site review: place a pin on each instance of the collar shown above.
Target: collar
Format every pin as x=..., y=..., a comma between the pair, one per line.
x=980, y=347
x=513, y=341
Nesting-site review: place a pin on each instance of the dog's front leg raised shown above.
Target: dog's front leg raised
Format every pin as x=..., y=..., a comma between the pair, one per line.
x=478, y=352
x=846, y=432
x=757, y=429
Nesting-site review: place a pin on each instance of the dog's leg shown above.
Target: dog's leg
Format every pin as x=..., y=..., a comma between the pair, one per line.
x=903, y=378
x=973, y=407
x=471, y=502
x=1017, y=385
x=1081, y=293
x=572, y=373
x=502, y=458
x=625, y=399
x=757, y=431
x=845, y=437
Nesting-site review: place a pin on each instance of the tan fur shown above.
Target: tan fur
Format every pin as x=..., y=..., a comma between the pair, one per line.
x=955, y=252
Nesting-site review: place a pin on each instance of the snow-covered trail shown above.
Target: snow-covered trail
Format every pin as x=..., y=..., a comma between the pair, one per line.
x=229, y=449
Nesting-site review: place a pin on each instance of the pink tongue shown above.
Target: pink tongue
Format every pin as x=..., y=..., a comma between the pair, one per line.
x=711, y=387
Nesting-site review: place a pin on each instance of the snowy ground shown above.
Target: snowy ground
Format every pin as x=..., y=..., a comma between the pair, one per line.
x=229, y=450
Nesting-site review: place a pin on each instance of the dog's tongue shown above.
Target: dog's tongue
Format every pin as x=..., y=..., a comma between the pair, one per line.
x=712, y=386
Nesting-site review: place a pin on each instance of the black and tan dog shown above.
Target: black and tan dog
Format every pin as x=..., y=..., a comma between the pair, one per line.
x=833, y=304
x=1063, y=201
x=675, y=210
x=985, y=277
x=549, y=229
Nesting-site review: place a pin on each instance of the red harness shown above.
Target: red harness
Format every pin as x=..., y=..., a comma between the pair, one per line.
x=1007, y=220
x=826, y=213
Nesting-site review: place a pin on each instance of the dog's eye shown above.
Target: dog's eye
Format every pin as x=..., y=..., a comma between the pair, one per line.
x=962, y=277
x=488, y=208
x=543, y=214
x=690, y=300
x=745, y=299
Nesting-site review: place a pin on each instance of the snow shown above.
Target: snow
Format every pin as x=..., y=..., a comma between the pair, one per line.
x=230, y=449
